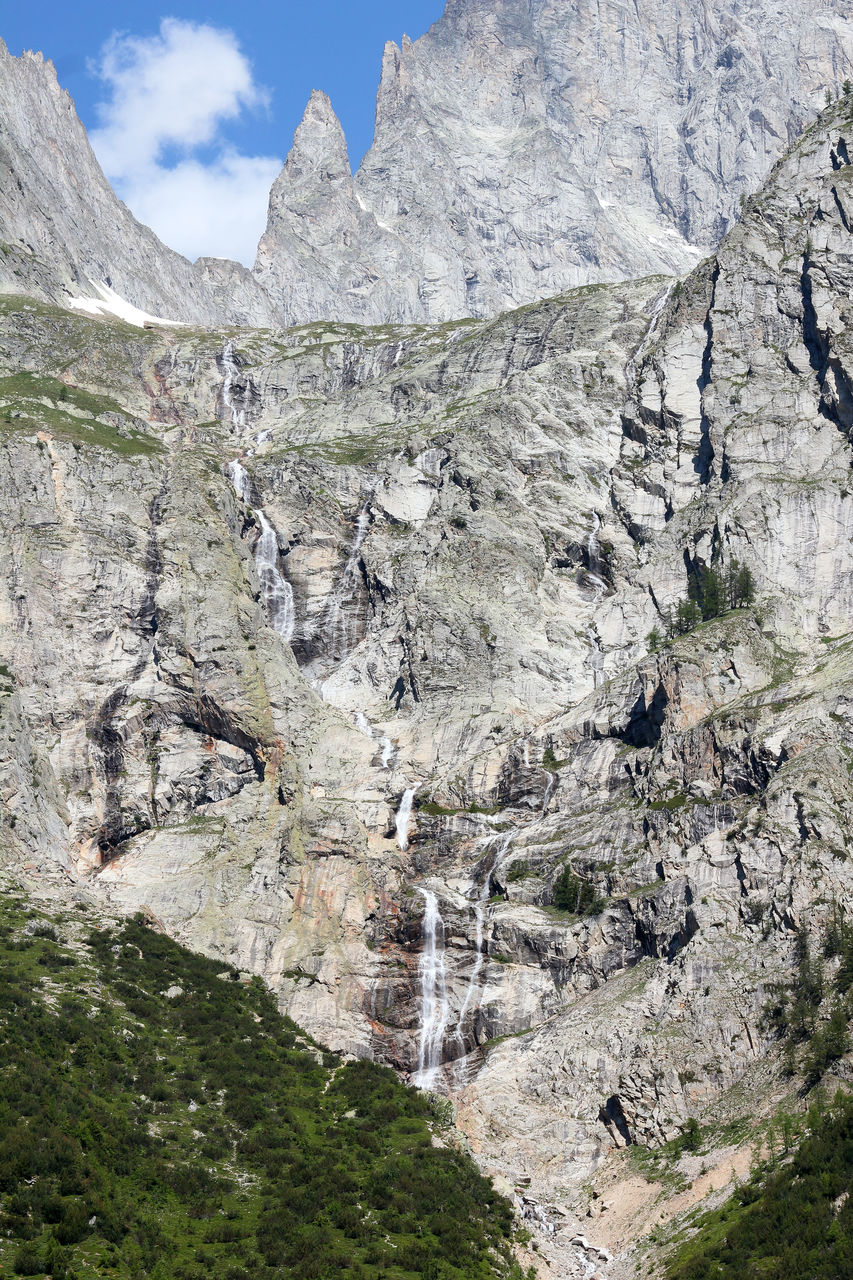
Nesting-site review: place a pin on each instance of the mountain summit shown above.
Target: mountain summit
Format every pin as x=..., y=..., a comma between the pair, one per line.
x=525, y=148
x=520, y=149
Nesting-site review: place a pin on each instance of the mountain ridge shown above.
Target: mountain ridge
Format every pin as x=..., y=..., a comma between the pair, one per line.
x=506, y=165
x=382, y=663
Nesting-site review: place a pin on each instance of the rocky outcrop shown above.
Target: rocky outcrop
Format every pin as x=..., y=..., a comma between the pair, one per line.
x=509, y=164
x=63, y=232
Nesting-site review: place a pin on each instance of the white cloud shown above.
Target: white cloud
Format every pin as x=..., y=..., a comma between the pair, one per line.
x=174, y=91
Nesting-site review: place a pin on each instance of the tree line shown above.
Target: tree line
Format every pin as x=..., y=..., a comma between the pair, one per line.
x=710, y=593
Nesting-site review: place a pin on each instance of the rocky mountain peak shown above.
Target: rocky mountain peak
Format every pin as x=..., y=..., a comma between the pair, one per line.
x=487, y=688
x=319, y=145
x=509, y=163
x=66, y=237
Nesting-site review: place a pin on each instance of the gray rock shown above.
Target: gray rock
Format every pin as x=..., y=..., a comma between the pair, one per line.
x=63, y=230
x=481, y=522
x=524, y=149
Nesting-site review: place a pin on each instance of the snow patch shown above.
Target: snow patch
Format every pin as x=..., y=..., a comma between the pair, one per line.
x=386, y=226
x=110, y=303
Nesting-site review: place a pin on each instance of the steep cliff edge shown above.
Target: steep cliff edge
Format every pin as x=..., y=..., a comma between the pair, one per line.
x=520, y=150
x=330, y=647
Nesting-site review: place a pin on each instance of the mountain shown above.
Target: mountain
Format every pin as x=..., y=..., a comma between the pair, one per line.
x=524, y=147
x=414, y=669
x=509, y=164
x=160, y=1118
x=66, y=238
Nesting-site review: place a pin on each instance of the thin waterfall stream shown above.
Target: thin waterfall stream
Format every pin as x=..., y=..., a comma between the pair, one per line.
x=339, y=628
x=481, y=901
x=404, y=817
x=277, y=591
x=593, y=555
x=435, y=1010
x=232, y=372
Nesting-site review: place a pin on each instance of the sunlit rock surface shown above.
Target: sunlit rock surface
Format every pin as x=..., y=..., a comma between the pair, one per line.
x=480, y=523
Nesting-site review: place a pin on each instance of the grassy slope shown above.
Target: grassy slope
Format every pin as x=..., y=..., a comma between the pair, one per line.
x=200, y=1136
x=791, y=1221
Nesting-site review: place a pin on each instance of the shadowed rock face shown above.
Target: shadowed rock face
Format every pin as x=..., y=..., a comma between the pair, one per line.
x=503, y=510
x=523, y=149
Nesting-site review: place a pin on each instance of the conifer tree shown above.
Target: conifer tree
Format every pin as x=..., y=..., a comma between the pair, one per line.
x=745, y=587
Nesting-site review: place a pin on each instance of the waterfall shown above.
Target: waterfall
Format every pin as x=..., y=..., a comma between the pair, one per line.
x=339, y=628
x=239, y=477
x=654, y=320
x=434, y=1007
x=549, y=790
x=232, y=373
x=404, y=817
x=385, y=744
x=363, y=725
x=277, y=591
x=593, y=555
x=481, y=901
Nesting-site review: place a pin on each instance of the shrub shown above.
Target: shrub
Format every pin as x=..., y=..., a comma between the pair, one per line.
x=28, y=1261
x=691, y=1137
x=81, y=1173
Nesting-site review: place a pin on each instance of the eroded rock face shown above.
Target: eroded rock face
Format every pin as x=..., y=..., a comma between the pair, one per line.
x=520, y=150
x=480, y=524
x=524, y=149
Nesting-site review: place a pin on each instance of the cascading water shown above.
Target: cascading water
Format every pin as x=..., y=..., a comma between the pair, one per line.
x=232, y=373
x=654, y=321
x=386, y=746
x=404, y=817
x=434, y=1006
x=549, y=790
x=277, y=591
x=593, y=555
x=239, y=477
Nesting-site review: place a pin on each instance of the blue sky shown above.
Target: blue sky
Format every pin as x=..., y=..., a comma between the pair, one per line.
x=191, y=108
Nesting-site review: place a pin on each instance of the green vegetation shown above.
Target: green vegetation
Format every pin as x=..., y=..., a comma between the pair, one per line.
x=578, y=896
x=550, y=761
x=434, y=810
x=793, y=1219
x=202, y=1137
x=810, y=1014
x=671, y=803
x=30, y=403
x=710, y=593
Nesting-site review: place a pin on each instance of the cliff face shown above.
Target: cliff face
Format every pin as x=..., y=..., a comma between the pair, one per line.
x=329, y=647
x=522, y=149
